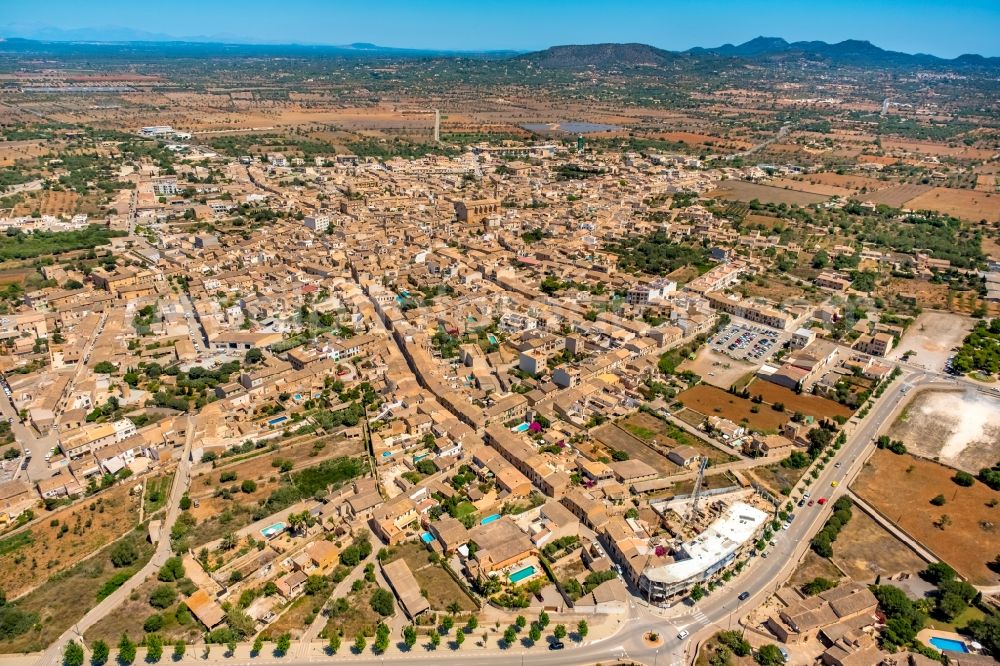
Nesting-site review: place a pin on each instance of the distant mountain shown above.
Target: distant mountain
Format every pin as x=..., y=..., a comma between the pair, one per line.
x=601, y=56
x=850, y=52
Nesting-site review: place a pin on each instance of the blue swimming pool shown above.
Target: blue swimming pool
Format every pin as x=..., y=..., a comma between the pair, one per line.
x=427, y=537
x=489, y=519
x=492, y=338
x=420, y=457
x=386, y=454
x=521, y=427
x=272, y=530
x=521, y=574
x=276, y=420
x=948, y=644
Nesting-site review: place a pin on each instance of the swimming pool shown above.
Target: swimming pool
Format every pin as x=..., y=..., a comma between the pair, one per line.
x=521, y=427
x=520, y=575
x=948, y=644
x=427, y=537
x=386, y=454
x=272, y=530
x=417, y=459
x=277, y=420
x=492, y=338
x=489, y=519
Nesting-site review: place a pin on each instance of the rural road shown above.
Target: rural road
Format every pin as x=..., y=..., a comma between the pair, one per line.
x=53, y=655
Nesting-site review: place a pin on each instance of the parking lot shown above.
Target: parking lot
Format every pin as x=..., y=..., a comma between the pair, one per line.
x=748, y=342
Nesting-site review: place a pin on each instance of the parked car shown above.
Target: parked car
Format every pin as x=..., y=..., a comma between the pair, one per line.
x=822, y=500
x=744, y=596
x=556, y=645
x=683, y=634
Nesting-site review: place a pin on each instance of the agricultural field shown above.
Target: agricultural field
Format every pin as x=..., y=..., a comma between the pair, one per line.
x=810, y=405
x=901, y=488
x=960, y=428
x=712, y=401
x=964, y=204
x=61, y=539
x=741, y=190
x=896, y=196
x=865, y=550
x=131, y=616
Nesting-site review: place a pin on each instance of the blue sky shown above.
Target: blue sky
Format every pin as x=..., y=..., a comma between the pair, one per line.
x=945, y=28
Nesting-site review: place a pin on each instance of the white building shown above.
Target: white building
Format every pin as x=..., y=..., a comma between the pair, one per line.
x=318, y=223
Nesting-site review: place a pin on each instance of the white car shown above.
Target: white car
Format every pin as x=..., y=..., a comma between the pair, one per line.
x=683, y=634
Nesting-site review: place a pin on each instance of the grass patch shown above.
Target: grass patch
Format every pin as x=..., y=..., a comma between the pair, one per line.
x=12, y=543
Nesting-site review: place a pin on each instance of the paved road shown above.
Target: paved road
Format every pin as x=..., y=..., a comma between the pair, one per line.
x=53, y=655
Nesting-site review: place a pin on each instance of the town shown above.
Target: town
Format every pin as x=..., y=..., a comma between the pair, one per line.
x=542, y=392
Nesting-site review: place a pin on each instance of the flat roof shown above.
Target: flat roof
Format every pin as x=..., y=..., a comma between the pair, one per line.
x=721, y=539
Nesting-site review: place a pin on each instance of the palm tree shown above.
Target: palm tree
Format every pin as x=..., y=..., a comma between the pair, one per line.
x=454, y=608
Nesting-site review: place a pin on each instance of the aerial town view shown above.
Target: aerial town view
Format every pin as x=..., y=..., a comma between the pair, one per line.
x=489, y=333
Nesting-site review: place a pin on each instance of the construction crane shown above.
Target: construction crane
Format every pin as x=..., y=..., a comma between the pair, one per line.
x=696, y=495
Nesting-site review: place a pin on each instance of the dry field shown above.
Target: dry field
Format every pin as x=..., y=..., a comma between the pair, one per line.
x=440, y=588
x=775, y=477
x=91, y=524
x=741, y=190
x=812, y=188
x=959, y=428
x=814, y=566
x=931, y=338
x=901, y=488
x=712, y=401
x=896, y=196
x=649, y=428
x=848, y=181
x=865, y=550
x=133, y=612
x=716, y=368
x=987, y=182
x=934, y=148
x=617, y=439
x=964, y=204
x=811, y=405
x=939, y=297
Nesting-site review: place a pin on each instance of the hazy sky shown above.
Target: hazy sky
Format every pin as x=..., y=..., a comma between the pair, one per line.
x=942, y=27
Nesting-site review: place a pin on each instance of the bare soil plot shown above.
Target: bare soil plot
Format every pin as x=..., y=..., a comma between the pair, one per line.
x=91, y=524
x=439, y=588
x=811, y=405
x=986, y=182
x=62, y=600
x=813, y=566
x=130, y=616
x=775, y=477
x=939, y=297
x=964, y=204
x=666, y=436
x=848, y=181
x=896, y=196
x=901, y=488
x=958, y=428
x=297, y=616
x=934, y=148
x=359, y=616
x=931, y=338
x=865, y=550
x=716, y=368
x=712, y=401
x=812, y=188
x=617, y=439
x=741, y=190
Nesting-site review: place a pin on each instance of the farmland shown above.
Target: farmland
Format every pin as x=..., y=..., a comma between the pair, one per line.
x=865, y=550
x=711, y=401
x=616, y=438
x=968, y=541
x=963, y=204
x=810, y=405
x=741, y=190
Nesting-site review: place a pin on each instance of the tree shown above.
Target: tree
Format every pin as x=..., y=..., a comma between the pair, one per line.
x=435, y=640
x=543, y=619
x=937, y=573
x=248, y=486
x=382, y=602
x=258, y=645
x=163, y=596
x=818, y=585
x=582, y=629
x=73, y=654
x=154, y=648
x=521, y=622
x=559, y=631
x=172, y=569
x=459, y=638
x=938, y=500
x=99, y=653
x=409, y=636
x=124, y=553
x=253, y=356
x=535, y=634
x=697, y=593
x=472, y=624
x=963, y=479
x=360, y=643
x=126, y=650
x=510, y=635
x=231, y=647
x=333, y=644
x=447, y=623
x=180, y=647
x=282, y=644
x=769, y=655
